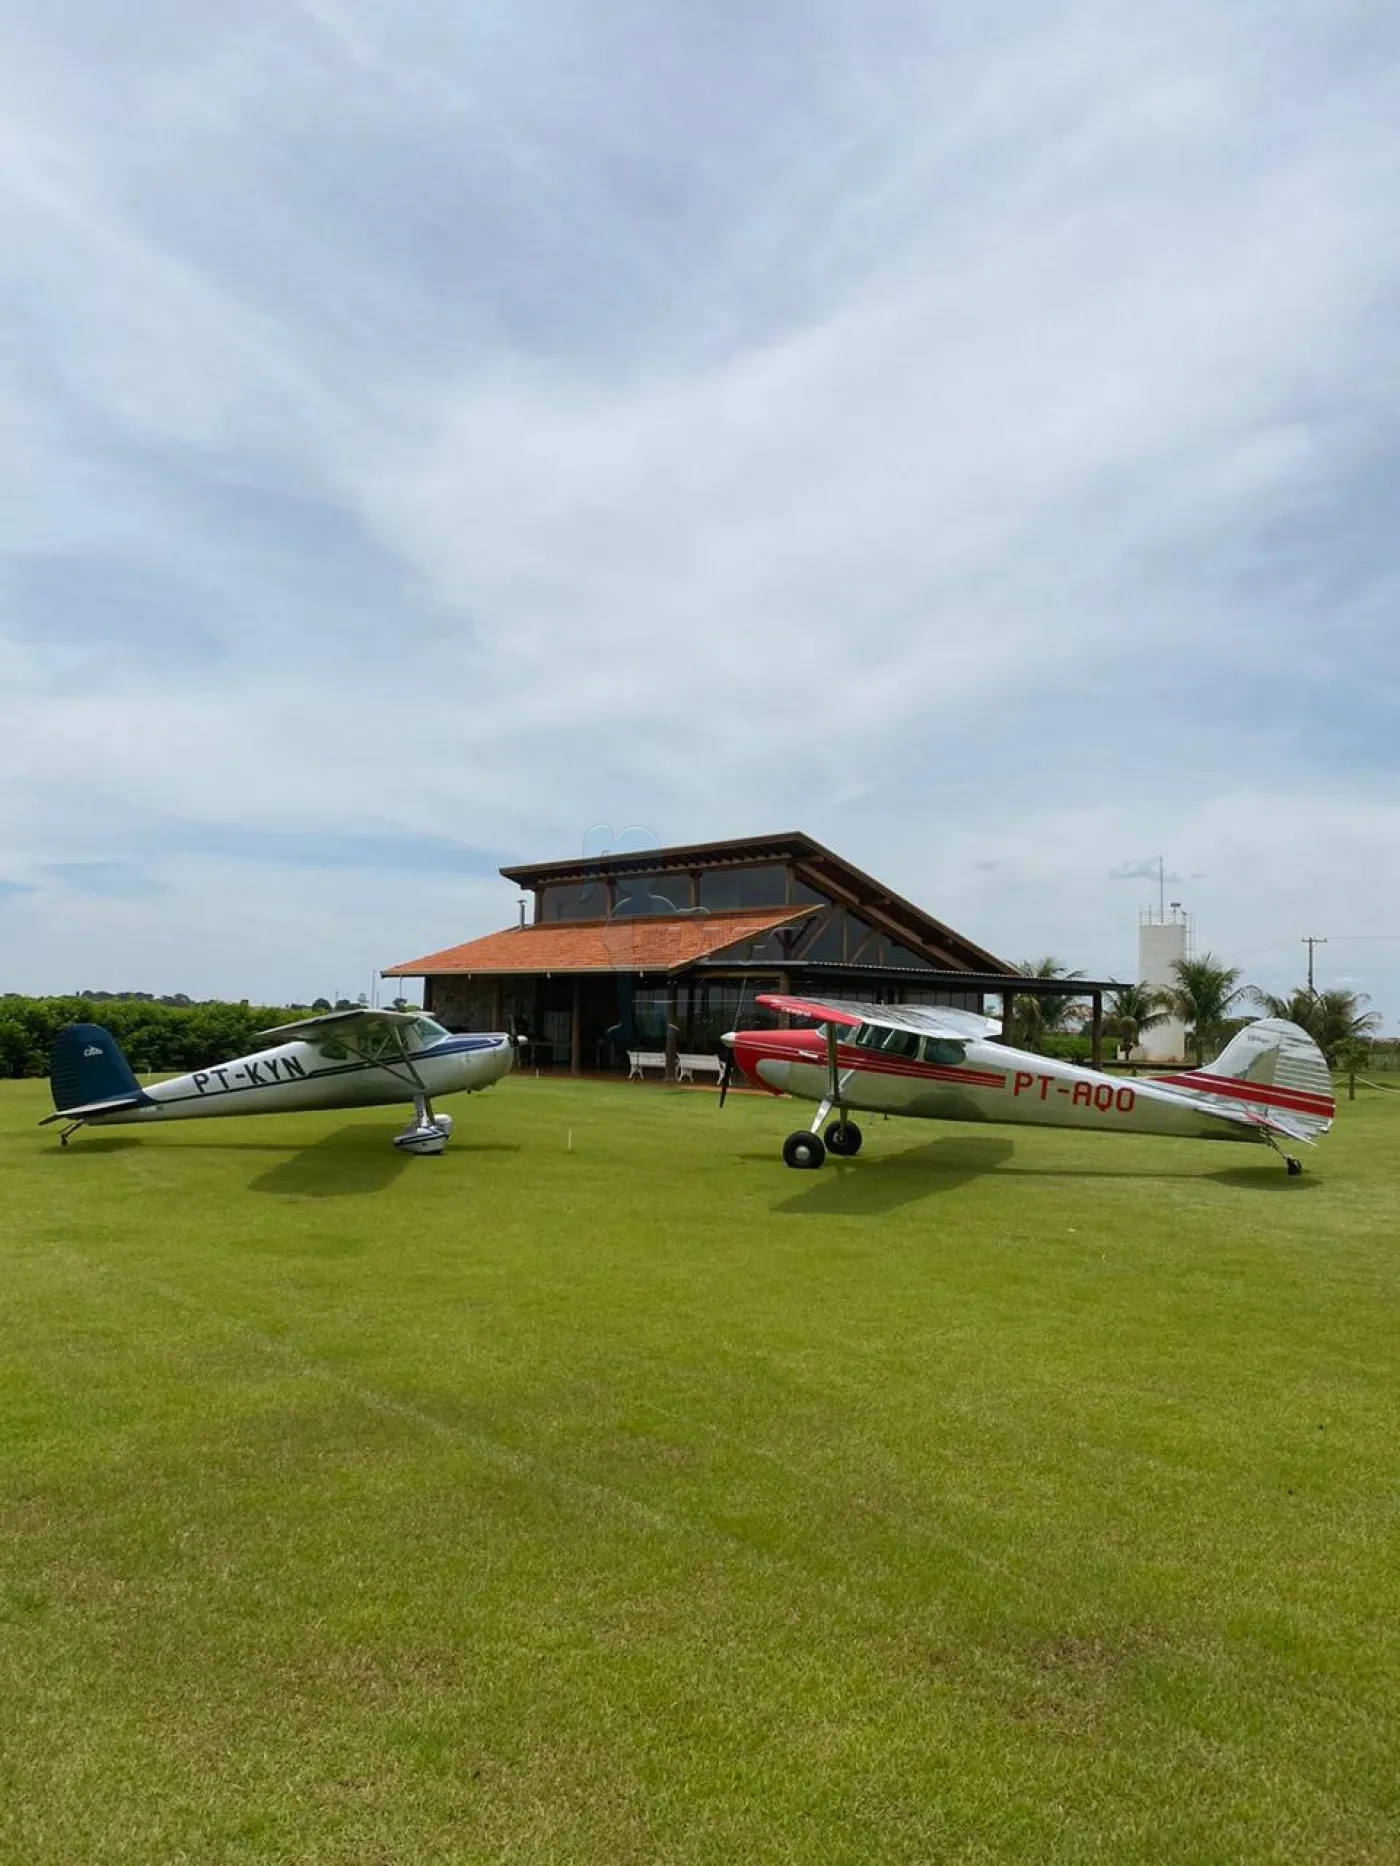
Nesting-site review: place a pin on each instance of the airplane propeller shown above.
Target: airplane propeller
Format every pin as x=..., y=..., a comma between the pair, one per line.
x=726, y=1074
x=517, y=1038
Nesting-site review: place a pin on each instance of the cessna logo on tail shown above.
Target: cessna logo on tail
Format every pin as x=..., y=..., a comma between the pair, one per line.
x=93, y=1049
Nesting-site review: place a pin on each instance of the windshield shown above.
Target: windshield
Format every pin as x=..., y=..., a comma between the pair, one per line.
x=427, y=1032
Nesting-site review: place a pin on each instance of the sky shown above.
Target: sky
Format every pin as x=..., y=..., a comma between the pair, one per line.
x=442, y=436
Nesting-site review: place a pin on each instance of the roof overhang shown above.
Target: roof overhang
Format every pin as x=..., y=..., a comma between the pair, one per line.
x=660, y=943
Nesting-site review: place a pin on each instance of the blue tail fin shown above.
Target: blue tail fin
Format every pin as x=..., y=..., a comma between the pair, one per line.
x=87, y=1067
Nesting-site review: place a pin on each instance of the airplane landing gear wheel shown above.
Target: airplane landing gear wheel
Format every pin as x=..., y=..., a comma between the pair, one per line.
x=843, y=1138
x=1294, y=1166
x=803, y=1150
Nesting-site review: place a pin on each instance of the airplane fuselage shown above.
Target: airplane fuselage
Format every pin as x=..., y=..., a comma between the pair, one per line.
x=979, y=1081
x=301, y=1076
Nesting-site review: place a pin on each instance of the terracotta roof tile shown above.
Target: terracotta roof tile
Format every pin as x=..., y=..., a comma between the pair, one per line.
x=659, y=943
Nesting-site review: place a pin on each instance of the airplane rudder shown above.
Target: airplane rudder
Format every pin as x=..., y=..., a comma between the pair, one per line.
x=1281, y=1055
x=86, y=1065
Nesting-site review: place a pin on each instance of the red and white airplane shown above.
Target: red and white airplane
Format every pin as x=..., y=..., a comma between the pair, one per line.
x=1270, y=1083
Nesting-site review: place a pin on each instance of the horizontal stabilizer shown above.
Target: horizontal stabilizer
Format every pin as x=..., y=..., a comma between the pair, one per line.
x=1271, y=1072
x=85, y=1110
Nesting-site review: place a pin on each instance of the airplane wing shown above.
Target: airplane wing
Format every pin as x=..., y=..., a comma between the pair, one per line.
x=359, y=1021
x=925, y=1020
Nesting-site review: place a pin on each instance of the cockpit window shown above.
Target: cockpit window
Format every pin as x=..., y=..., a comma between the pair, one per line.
x=900, y=1043
x=865, y=1037
x=426, y=1032
x=940, y=1050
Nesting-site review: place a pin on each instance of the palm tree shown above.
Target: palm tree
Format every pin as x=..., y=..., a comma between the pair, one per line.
x=1131, y=1010
x=1298, y=1007
x=1202, y=996
x=1036, y=1016
x=1334, y=1020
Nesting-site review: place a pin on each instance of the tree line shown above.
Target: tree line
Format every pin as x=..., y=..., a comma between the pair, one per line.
x=1208, y=997
x=156, y=1037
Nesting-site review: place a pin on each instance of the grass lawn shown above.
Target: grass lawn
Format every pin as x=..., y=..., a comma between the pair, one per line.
x=996, y=1496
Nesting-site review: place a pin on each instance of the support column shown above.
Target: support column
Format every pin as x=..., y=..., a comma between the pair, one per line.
x=576, y=1030
x=672, y=1018
x=1008, y=1013
x=498, y=1006
x=1096, y=1030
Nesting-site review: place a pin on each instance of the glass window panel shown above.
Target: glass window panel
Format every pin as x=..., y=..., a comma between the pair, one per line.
x=588, y=901
x=822, y=946
x=769, y=947
x=941, y=1050
x=900, y=1043
x=643, y=895
x=901, y=955
x=722, y=889
x=856, y=932
x=802, y=894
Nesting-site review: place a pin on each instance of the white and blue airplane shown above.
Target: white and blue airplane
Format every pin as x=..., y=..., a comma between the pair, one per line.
x=344, y=1059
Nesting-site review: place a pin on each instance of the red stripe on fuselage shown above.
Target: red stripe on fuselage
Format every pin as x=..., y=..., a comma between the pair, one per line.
x=1300, y=1101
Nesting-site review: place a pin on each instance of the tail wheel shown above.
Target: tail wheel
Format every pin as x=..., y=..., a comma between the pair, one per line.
x=844, y=1138
x=803, y=1150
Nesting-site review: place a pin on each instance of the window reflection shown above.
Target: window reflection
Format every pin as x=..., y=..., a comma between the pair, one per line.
x=642, y=895
x=723, y=889
x=587, y=901
x=901, y=955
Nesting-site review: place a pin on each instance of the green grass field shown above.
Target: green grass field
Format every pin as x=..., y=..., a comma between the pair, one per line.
x=997, y=1496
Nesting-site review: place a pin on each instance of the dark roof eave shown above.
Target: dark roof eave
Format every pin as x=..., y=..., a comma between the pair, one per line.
x=790, y=843
x=913, y=975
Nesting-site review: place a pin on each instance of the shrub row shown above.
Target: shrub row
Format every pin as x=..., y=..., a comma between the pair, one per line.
x=156, y=1038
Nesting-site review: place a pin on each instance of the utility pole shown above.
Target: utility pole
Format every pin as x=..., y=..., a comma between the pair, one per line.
x=1311, y=941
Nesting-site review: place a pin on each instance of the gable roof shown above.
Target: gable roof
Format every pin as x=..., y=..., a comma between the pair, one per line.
x=821, y=867
x=659, y=943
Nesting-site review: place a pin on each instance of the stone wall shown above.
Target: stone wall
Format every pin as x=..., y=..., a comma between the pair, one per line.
x=462, y=1003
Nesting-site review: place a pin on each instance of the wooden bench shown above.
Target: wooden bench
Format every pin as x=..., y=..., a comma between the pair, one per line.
x=687, y=1065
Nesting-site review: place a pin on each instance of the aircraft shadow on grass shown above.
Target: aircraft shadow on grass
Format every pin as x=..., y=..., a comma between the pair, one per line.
x=105, y=1143
x=870, y=1187
x=867, y=1188
x=349, y=1163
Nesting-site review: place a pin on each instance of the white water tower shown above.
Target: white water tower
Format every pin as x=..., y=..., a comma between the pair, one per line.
x=1165, y=934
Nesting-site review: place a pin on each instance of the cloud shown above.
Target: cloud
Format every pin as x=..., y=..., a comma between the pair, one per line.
x=971, y=439
x=107, y=880
x=1143, y=871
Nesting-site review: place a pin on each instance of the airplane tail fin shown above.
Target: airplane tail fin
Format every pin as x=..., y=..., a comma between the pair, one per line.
x=1274, y=1069
x=87, y=1071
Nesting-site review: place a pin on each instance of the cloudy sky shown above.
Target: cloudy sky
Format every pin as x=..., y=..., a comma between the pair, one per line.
x=968, y=434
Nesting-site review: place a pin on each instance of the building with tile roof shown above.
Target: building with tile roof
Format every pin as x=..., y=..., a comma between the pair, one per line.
x=665, y=949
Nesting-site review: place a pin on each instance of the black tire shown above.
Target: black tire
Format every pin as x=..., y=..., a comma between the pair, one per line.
x=1294, y=1167
x=843, y=1138
x=803, y=1150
